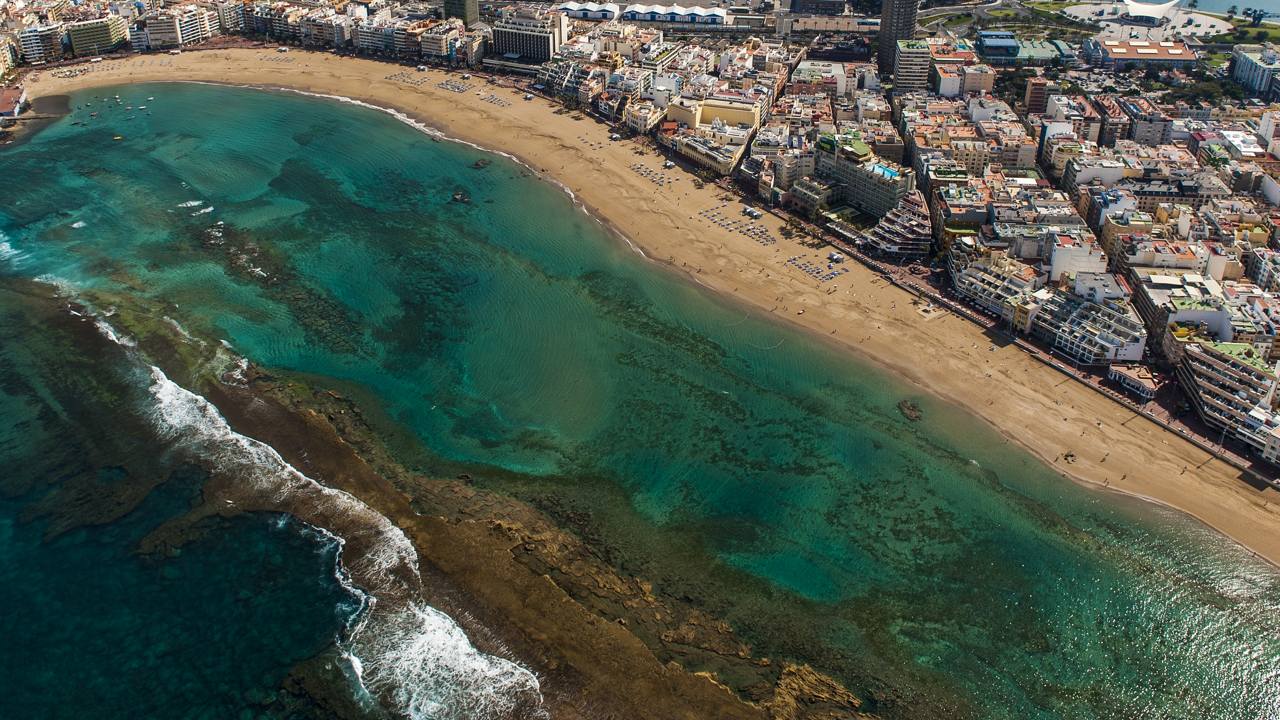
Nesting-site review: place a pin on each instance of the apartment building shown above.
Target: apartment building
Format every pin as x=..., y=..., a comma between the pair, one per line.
x=911, y=66
x=176, y=26
x=904, y=233
x=42, y=43
x=1233, y=390
x=1087, y=331
x=324, y=27
x=438, y=43
x=1148, y=124
x=1255, y=67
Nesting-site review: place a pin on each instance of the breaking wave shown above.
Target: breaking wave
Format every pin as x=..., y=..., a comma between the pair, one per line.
x=9, y=253
x=411, y=657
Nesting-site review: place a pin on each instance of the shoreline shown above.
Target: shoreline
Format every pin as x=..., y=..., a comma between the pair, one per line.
x=1147, y=461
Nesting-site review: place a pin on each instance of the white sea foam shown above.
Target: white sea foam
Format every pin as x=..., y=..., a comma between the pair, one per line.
x=183, y=416
x=62, y=286
x=416, y=656
x=177, y=327
x=110, y=333
x=10, y=254
x=78, y=224
x=202, y=211
x=426, y=664
x=190, y=203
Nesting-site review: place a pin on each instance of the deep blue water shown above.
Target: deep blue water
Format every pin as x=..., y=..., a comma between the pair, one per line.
x=93, y=626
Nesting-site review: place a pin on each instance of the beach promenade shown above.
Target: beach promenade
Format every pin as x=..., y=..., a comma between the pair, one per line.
x=675, y=222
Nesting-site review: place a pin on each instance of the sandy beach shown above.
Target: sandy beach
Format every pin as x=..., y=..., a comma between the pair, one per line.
x=945, y=355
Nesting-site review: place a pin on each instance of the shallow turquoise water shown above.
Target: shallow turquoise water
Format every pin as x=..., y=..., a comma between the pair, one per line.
x=735, y=462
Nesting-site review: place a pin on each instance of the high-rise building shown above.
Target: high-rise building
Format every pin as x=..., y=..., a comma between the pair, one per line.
x=41, y=44
x=530, y=32
x=910, y=66
x=897, y=22
x=468, y=11
x=9, y=54
x=1036, y=97
x=97, y=36
x=176, y=26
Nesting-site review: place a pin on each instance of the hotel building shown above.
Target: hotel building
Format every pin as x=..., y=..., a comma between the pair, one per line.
x=531, y=34
x=865, y=182
x=98, y=36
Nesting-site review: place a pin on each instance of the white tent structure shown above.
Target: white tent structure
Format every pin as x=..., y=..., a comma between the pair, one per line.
x=1153, y=13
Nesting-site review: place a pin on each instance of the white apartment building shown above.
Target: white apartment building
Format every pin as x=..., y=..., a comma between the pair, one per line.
x=41, y=44
x=530, y=33
x=176, y=26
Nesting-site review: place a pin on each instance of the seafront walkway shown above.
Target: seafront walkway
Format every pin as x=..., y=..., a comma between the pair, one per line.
x=919, y=287
x=904, y=280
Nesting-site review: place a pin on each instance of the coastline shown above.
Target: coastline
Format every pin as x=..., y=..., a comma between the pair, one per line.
x=501, y=571
x=945, y=356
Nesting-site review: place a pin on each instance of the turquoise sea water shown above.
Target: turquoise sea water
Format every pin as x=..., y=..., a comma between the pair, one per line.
x=734, y=462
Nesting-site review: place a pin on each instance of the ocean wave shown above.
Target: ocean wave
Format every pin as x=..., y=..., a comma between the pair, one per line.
x=62, y=287
x=409, y=654
x=9, y=252
x=425, y=662
x=110, y=333
x=182, y=416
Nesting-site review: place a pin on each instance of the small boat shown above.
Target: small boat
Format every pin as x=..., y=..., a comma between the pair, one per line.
x=150, y=99
x=461, y=196
x=118, y=137
x=142, y=107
